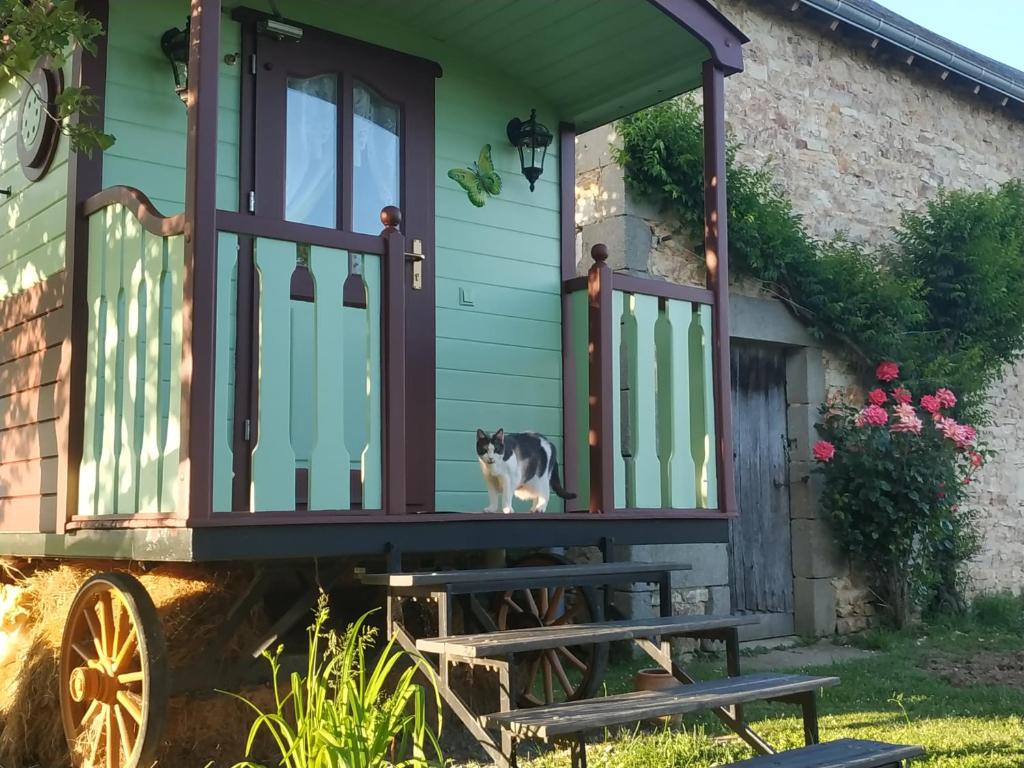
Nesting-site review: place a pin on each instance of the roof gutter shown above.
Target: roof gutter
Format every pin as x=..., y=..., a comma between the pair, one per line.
x=915, y=44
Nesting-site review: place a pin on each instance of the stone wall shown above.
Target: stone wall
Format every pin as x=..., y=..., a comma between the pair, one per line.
x=854, y=140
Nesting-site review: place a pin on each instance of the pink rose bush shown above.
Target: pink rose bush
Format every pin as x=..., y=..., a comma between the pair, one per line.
x=897, y=477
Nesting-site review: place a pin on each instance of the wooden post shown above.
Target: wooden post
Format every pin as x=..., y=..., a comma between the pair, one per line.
x=567, y=218
x=393, y=421
x=716, y=254
x=85, y=177
x=195, y=496
x=602, y=358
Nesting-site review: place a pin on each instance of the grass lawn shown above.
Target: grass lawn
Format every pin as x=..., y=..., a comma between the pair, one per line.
x=889, y=697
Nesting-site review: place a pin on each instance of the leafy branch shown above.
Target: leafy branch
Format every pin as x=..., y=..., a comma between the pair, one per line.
x=31, y=30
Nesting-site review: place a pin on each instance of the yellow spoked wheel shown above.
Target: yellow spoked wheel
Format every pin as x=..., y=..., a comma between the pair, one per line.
x=113, y=674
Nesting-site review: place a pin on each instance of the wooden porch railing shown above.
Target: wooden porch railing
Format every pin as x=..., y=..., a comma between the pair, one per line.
x=302, y=383
x=646, y=400
x=132, y=440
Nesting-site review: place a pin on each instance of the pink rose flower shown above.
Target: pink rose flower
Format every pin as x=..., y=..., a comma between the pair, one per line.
x=931, y=404
x=977, y=459
x=887, y=371
x=872, y=415
x=961, y=434
x=902, y=395
x=824, y=451
x=877, y=396
x=907, y=419
x=945, y=397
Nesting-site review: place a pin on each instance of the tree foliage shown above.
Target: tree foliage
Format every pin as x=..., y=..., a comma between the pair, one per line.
x=31, y=30
x=945, y=297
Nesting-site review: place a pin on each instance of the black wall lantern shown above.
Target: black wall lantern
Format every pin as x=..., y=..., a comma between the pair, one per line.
x=532, y=139
x=174, y=43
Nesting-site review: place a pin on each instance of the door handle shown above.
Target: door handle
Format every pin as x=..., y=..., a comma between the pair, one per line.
x=416, y=256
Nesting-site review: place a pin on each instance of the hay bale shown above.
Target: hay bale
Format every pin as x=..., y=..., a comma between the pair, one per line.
x=192, y=601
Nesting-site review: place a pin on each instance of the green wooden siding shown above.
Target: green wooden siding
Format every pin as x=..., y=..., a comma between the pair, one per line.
x=148, y=119
x=133, y=391
x=32, y=219
x=498, y=278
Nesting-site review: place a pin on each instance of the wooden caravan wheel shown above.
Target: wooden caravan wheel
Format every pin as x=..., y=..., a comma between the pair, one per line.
x=559, y=674
x=113, y=675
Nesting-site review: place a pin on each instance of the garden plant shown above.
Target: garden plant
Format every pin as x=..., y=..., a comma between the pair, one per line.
x=896, y=473
x=350, y=710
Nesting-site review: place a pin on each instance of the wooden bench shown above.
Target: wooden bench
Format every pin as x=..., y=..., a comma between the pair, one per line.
x=844, y=753
x=572, y=720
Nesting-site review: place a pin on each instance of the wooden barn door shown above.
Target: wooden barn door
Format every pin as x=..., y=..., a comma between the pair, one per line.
x=761, y=567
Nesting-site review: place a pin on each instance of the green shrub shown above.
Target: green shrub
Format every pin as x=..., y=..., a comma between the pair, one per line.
x=345, y=713
x=1001, y=610
x=945, y=298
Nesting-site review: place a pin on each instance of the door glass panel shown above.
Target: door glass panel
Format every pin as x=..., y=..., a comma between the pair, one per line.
x=376, y=172
x=311, y=165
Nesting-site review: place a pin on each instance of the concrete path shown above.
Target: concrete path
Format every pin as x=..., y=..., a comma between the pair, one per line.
x=823, y=653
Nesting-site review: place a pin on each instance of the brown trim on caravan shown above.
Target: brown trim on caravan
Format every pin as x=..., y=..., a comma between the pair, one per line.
x=199, y=305
x=85, y=178
x=716, y=255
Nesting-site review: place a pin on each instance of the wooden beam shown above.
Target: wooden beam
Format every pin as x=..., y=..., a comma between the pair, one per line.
x=567, y=216
x=601, y=359
x=85, y=178
x=716, y=255
x=195, y=495
x=393, y=357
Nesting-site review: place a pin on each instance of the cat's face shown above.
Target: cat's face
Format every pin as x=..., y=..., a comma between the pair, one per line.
x=490, y=448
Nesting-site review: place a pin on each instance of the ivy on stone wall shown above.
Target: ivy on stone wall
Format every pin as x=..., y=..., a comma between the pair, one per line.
x=945, y=297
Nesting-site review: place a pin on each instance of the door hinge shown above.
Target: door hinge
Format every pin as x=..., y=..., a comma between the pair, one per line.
x=252, y=64
x=252, y=201
x=247, y=430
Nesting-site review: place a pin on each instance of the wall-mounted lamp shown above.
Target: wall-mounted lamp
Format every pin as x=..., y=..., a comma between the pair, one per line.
x=532, y=139
x=174, y=43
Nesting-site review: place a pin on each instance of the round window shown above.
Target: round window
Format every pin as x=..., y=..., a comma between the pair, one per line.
x=38, y=130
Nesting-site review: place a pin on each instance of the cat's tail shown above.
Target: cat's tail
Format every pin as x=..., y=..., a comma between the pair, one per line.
x=556, y=479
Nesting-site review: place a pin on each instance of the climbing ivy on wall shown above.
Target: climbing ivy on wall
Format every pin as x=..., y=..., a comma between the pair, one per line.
x=945, y=297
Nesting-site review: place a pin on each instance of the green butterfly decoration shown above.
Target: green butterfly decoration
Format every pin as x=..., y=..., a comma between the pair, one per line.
x=480, y=180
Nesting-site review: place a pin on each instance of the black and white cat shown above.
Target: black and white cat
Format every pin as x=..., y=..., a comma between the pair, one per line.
x=523, y=464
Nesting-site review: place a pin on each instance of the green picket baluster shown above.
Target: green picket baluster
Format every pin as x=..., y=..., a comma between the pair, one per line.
x=371, y=458
x=171, y=340
x=710, y=465
x=149, y=455
x=676, y=421
x=643, y=368
x=223, y=454
x=111, y=344
x=88, y=497
x=131, y=278
x=619, y=473
x=273, y=459
x=329, y=460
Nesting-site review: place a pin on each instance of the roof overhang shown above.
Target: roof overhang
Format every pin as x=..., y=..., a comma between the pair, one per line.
x=592, y=60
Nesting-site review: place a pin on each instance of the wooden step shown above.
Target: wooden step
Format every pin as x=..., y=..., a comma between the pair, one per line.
x=499, y=579
x=495, y=644
x=844, y=753
x=557, y=720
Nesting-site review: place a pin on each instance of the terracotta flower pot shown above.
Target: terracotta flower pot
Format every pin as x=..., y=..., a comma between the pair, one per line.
x=657, y=679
